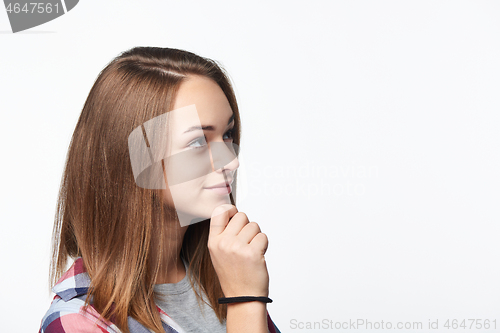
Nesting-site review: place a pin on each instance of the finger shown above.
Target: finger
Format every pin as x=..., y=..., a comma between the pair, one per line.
x=249, y=232
x=237, y=222
x=220, y=218
x=260, y=242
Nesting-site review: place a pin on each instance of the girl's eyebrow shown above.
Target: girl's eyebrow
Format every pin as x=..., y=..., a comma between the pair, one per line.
x=207, y=128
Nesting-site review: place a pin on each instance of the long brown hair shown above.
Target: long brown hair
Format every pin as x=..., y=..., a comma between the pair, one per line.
x=102, y=215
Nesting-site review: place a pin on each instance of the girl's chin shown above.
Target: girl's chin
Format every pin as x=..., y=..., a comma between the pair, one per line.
x=202, y=207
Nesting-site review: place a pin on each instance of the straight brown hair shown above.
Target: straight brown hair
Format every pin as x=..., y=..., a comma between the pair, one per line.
x=102, y=215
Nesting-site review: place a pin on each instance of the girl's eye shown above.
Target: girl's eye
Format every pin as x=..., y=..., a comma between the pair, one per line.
x=229, y=134
x=202, y=142
x=198, y=143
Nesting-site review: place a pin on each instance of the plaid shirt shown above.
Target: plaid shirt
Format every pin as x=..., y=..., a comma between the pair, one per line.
x=68, y=315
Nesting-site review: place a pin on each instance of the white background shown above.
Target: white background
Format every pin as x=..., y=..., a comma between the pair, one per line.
x=370, y=150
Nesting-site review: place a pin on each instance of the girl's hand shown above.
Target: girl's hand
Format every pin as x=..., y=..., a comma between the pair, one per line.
x=237, y=249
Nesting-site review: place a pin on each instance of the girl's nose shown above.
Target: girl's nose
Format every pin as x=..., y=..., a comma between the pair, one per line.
x=224, y=155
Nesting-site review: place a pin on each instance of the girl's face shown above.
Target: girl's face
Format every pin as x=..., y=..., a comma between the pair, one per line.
x=199, y=159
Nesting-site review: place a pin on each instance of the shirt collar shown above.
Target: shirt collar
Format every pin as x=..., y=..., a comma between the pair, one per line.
x=75, y=282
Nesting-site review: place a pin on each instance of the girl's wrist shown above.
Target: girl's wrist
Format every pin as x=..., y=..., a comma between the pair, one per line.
x=247, y=317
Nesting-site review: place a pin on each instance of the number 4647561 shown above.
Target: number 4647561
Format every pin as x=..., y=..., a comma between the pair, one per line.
x=35, y=8
x=471, y=323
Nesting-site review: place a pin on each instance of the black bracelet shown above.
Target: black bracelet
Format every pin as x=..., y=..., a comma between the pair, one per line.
x=225, y=300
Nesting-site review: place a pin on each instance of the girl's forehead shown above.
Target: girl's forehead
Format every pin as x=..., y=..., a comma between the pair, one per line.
x=211, y=102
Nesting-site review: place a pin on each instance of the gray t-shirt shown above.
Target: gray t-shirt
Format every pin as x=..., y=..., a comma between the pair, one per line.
x=181, y=305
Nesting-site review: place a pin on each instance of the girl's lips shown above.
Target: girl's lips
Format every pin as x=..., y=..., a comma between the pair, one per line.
x=220, y=190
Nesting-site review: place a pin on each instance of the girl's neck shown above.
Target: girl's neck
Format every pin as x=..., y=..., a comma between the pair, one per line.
x=172, y=268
